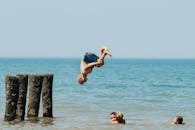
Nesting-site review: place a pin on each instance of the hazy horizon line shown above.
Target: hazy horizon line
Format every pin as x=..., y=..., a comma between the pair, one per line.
x=42, y=57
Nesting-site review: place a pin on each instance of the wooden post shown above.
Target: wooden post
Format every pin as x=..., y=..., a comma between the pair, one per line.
x=35, y=85
x=21, y=105
x=12, y=90
x=47, y=95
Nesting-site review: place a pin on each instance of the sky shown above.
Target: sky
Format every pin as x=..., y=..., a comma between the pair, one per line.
x=69, y=28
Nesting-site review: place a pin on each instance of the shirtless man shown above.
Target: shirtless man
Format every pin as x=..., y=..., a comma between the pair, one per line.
x=89, y=61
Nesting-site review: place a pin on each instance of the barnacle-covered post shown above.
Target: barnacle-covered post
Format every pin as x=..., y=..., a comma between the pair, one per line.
x=21, y=105
x=35, y=85
x=47, y=95
x=12, y=90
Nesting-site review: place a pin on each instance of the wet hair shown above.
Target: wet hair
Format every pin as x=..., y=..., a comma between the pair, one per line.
x=113, y=113
x=179, y=120
x=120, y=117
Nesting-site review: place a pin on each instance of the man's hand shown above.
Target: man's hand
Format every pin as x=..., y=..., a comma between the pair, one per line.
x=99, y=63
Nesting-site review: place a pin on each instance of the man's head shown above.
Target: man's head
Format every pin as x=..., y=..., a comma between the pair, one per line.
x=178, y=120
x=81, y=79
x=113, y=117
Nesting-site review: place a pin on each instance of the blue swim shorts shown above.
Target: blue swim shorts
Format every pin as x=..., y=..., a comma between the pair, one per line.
x=90, y=57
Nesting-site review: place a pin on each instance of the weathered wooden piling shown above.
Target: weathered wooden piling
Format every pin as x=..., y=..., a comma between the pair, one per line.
x=12, y=91
x=21, y=104
x=35, y=85
x=47, y=95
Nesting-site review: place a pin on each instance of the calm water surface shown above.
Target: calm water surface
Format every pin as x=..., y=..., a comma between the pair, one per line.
x=149, y=92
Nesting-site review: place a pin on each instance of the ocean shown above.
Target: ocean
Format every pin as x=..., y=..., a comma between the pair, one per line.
x=149, y=92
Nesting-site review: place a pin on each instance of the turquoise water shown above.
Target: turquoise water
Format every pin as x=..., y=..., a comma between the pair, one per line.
x=149, y=92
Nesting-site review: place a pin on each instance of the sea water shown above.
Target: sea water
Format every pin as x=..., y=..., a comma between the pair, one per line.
x=149, y=92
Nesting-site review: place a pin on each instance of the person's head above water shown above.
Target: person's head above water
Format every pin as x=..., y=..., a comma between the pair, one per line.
x=117, y=118
x=113, y=118
x=120, y=117
x=177, y=120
